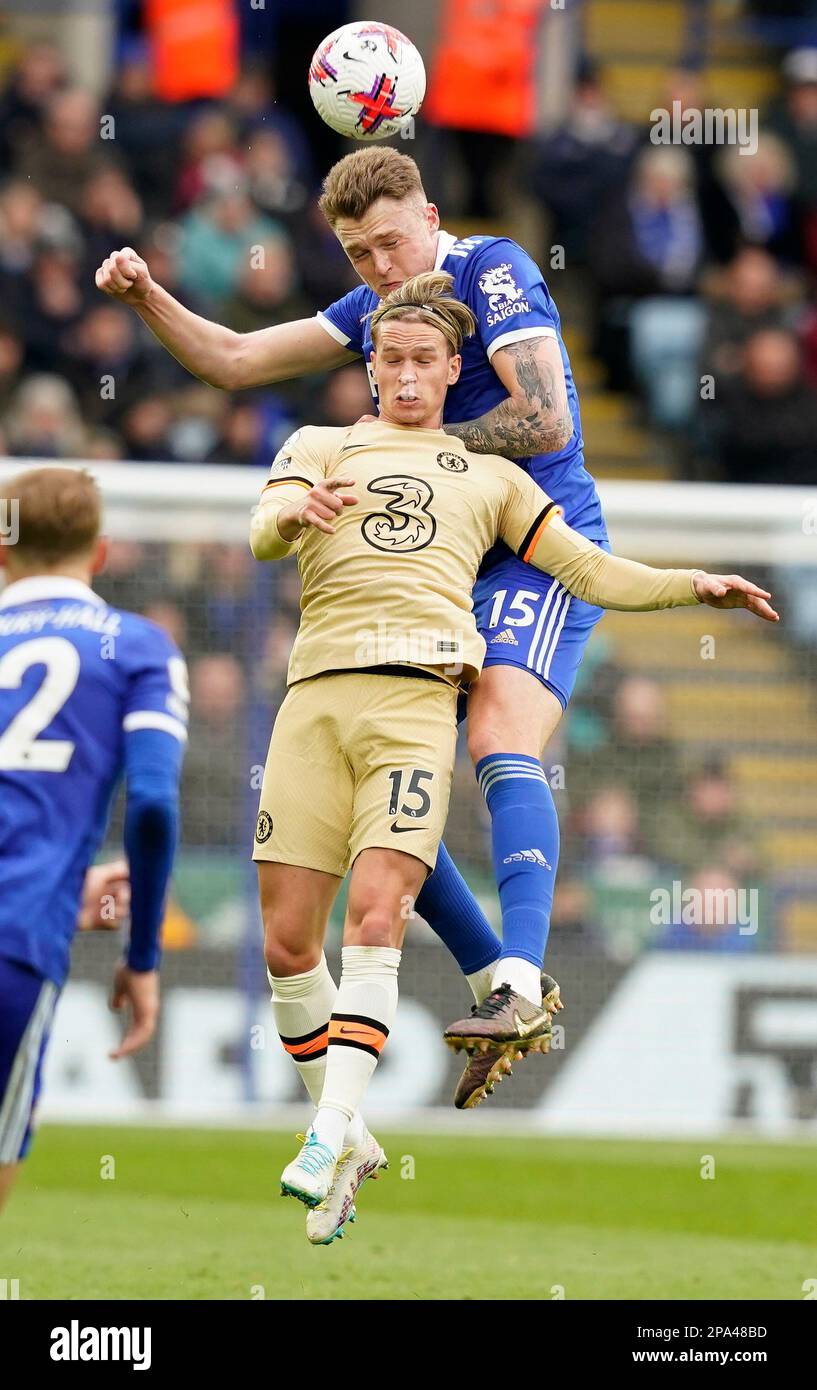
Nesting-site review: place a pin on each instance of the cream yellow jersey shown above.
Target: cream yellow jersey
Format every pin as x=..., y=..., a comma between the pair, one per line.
x=393, y=584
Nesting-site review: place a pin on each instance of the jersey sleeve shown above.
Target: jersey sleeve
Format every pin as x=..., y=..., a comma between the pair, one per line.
x=344, y=320
x=303, y=459
x=526, y=510
x=157, y=694
x=153, y=762
x=608, y=581
x=509, y=297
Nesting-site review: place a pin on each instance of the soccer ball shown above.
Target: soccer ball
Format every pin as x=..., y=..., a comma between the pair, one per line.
x=367, y=80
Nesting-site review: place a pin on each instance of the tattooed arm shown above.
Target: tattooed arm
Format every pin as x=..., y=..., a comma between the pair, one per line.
x=535, y=418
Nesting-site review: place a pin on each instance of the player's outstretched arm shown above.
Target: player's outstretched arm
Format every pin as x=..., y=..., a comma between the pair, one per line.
x=611, y=581
x=210, y=351
x=535, y=416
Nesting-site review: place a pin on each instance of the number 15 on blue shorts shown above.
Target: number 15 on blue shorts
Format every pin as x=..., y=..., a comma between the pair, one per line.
x=528, y=619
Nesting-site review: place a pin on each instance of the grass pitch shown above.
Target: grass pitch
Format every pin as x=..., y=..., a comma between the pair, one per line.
x=194, y=1214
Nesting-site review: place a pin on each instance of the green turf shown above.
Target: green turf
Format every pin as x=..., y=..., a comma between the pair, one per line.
x=197, y=1215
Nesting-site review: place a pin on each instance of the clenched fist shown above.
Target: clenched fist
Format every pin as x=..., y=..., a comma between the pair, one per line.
x=124, y=275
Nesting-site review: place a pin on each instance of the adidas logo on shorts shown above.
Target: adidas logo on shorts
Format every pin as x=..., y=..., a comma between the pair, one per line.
x=505, y=636
x=528, y=856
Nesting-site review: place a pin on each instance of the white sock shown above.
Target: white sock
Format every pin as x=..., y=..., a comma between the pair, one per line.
x=482, y=981
x=521, y=975
x=363, y=1014
x=302, y=1006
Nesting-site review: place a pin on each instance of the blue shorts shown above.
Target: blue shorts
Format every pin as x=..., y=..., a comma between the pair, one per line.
x=27, y=1002
x=529, y=620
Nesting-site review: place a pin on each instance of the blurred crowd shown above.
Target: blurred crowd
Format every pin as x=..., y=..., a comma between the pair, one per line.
x=700, y=262
x=219, y=199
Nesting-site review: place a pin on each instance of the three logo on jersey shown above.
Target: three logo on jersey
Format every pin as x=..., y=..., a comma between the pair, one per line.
x=406, y=523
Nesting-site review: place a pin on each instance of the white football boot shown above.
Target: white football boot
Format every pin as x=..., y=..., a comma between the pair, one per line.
x=309, y=1177
x=328, y=1221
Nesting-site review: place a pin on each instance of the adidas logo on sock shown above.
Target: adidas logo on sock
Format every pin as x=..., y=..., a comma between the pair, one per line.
x=505, y=636
x=528, y=856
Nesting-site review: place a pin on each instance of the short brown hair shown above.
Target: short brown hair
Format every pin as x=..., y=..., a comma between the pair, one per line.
x=427, y=298
x=359, y=179
x=58, y=513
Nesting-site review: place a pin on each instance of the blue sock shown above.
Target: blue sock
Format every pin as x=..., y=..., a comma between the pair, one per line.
x=525, y=840
x=451, y=910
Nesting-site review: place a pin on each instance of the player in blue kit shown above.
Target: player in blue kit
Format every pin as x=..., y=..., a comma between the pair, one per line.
x=515, y=397
x=86, y=692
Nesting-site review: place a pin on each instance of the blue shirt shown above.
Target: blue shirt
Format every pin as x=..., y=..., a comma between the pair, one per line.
x=76, y=678
x=505, y=290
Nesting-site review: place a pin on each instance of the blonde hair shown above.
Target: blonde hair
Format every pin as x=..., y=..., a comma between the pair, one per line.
x=59, y=513
x=427, y=299
x=359, y=179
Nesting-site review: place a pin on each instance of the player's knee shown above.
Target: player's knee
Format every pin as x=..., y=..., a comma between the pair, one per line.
x=286, y=957
x=482, y=742
x=372, y=926
x=491, y=735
